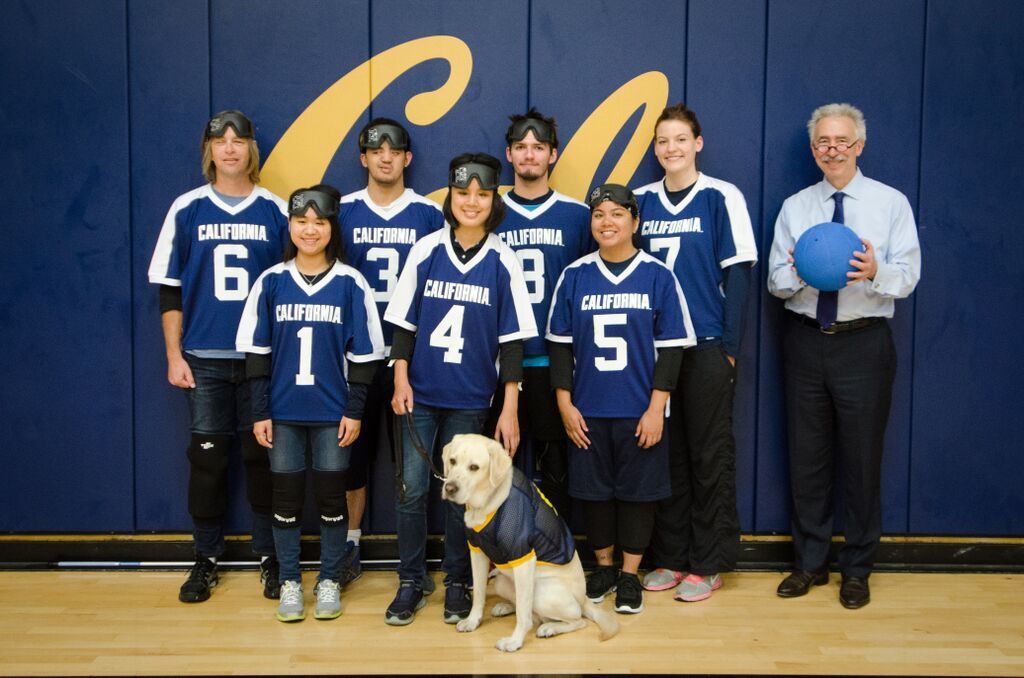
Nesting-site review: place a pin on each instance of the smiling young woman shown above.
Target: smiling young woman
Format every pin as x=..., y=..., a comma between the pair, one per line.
x=616, y=333
x=700, y=227
x=314, y=342
x=461, y=311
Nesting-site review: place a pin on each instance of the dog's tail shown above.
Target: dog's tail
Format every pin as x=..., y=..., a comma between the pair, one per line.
x=605, y=621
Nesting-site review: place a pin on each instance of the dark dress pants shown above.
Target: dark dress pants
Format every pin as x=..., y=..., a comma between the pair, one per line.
x=838, y=392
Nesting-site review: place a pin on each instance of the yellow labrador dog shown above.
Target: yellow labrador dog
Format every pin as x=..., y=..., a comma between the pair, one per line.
x=509, y=522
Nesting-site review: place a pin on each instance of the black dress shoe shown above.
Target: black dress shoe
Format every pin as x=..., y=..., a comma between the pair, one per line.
x=854, y=592
x=799, y=582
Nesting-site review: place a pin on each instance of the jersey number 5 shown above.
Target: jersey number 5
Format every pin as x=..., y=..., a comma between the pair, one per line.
x=222, y=273
x=448, y=334
x=618, y=344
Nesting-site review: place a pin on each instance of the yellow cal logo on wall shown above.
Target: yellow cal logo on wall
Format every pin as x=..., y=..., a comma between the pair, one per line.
x=305, y=150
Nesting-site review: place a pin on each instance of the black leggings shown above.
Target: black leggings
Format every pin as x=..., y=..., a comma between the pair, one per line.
x=627, y=524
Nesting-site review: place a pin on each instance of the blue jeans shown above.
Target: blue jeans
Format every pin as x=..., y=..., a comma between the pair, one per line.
x=219, y=405
x=288, y=456
x=431, y=424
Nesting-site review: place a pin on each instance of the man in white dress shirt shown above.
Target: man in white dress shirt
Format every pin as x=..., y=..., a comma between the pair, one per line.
x=840, y=360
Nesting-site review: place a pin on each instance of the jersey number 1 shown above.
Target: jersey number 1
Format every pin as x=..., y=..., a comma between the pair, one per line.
x=305, y=376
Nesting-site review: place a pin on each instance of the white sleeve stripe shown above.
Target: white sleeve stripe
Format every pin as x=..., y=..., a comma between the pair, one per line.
x=400, y=322
x=171, y=282
x=739, y=221
x=682, y=341
x=522, y=334
x=161, y=261
x=250, y=348
x=250, y=319
x=726, y=263
x=558, y=338
x=520, y=293
x=373, y=326
x=364, y=358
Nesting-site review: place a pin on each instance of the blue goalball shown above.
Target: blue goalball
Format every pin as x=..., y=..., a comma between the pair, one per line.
x=822, y=255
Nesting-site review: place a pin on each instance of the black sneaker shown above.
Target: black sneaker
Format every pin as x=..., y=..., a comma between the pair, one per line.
x=403, y=608
x=601, y=582
x=629, y=594
x=270, y=570
x=201, y=579
x=457, y=603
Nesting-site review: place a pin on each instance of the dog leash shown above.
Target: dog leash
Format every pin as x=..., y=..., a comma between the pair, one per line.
x=420, y=448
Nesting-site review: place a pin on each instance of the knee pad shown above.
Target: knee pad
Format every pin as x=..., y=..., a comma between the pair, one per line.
x=329, y=488
x=289, y=495
x=208, y=475
x=258, y=485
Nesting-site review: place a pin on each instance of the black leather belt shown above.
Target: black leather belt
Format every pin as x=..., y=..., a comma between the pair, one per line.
x=847, y=326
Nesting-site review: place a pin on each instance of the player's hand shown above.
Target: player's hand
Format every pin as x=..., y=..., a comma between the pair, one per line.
x=649, y=428
x=865, y=264
x=348, y=431
x=575, y=425
x=264, y=432
x=792, y=266
x=179, y=373
x=507, y=431
x=401, y=402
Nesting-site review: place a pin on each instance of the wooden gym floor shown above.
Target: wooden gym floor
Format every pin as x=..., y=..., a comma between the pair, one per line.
x=117, y=623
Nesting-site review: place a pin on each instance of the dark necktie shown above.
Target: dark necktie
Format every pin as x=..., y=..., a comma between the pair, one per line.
x=828, y=302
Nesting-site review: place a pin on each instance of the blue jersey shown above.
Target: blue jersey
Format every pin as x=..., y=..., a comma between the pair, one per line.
x=705, y=233
x=378, y=239
x=460, y=312
x=312, y=332
x=615, y=325
x=546, y=239
x=523, y=527
x=214, y=252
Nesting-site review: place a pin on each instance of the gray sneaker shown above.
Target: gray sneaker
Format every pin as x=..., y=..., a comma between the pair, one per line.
x=328, y=599
x=662, y=579
x=696, y=588
x=290, y=608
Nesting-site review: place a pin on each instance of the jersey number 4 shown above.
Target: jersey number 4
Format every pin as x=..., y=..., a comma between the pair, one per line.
x=448, y=334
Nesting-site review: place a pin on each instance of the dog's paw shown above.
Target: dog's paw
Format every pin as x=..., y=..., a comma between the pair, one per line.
x=547, y=630
x=509, y=644
x=503, y=609
x=468, y=624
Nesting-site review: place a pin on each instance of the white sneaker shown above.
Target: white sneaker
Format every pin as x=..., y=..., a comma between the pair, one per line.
x=328, y=599
x=290, y=609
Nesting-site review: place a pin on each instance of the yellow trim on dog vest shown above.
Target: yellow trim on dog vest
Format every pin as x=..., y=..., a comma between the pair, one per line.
x=517, y=561
x=486, y=522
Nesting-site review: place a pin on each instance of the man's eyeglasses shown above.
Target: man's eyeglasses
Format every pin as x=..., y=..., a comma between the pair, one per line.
x=841, y=147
